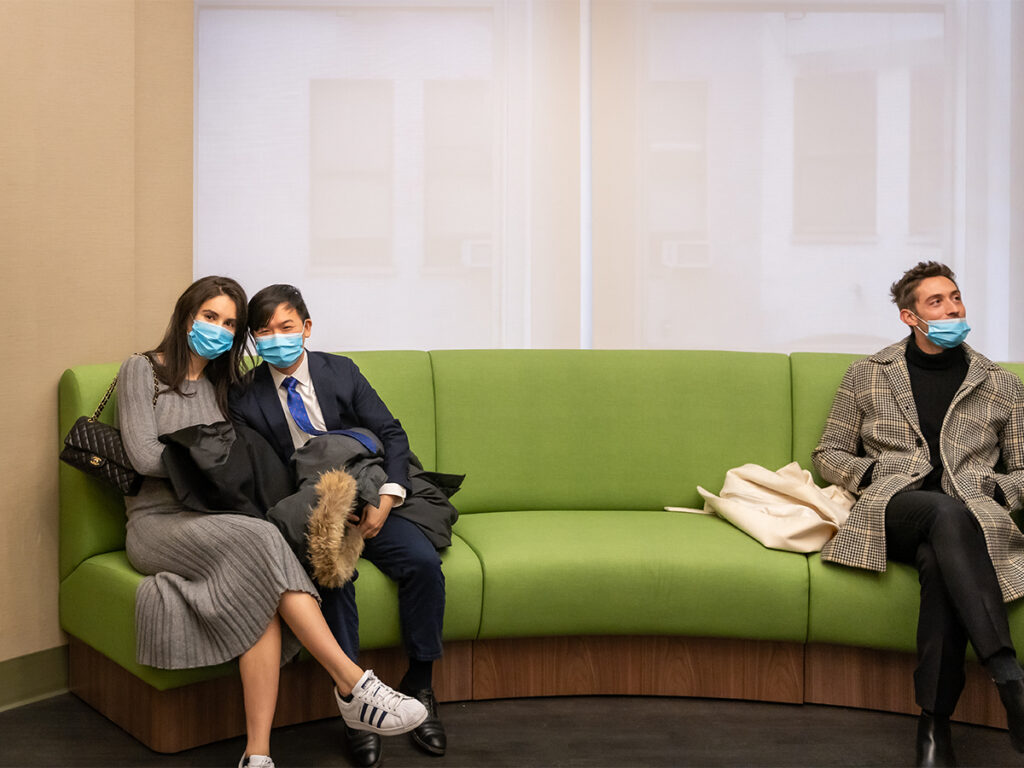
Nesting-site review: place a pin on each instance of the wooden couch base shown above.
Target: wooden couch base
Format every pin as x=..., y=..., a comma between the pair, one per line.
x=192, y=715
x=756, y=670
x=867, y=678
x=638, y=666
x=186, y=717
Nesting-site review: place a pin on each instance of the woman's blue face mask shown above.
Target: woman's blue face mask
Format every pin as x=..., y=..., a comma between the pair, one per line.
x=945, y=333
x=280, y=349
x=209, y=341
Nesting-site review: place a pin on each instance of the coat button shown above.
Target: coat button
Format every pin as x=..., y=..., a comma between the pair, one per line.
x=915, y=474
x=919, y=442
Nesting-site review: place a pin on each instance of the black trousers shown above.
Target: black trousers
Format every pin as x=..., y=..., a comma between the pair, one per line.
x=960, y=595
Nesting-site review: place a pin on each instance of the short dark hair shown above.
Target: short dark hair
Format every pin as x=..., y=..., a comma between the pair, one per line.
x=265, y=301
x=903, y=290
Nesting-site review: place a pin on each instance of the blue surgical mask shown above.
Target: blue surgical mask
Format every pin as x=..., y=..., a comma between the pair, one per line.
x=946, y=333
x=280, y=349
x=208, y=340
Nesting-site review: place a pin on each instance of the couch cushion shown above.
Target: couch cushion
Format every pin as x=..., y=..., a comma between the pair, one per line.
x=851, y=606
x=404, y=381
x=584, y=429
x=580, y=572
x=97, y=605
x=91, y=512
x=816, y=377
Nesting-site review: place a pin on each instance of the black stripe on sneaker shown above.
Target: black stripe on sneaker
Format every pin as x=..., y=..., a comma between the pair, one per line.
x=381, y=721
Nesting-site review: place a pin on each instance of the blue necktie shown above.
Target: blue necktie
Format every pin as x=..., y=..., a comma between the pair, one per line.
x=297, y=409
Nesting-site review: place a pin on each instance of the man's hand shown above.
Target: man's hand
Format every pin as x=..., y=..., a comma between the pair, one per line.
x=374, y=517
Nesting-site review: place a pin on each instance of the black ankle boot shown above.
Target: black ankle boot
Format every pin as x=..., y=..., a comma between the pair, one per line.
x=934, y=742
x=1011, y=693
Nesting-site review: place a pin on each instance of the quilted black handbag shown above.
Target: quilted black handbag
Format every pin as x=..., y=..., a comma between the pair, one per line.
x=98, y=450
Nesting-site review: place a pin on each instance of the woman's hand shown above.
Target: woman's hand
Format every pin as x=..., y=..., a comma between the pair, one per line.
x=374, y=517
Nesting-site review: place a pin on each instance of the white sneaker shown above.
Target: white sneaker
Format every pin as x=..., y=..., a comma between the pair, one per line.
x=255, y=761
x=379, y=708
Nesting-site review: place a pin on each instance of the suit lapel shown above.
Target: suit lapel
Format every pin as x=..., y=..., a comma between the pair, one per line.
x=270, y=406
x=323, y=384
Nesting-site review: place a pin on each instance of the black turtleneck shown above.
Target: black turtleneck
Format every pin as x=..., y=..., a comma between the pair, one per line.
x=934, y=379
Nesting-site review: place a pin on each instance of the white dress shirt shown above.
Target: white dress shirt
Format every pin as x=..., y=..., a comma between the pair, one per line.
x=316, y=416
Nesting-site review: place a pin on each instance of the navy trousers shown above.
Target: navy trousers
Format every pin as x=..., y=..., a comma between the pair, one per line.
x=404, y=554
x=960, y=595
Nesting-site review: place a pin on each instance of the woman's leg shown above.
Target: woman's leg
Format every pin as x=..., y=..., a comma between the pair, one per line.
x=301, y=612
x=260, y=668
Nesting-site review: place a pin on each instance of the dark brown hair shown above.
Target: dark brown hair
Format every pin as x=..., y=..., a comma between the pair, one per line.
x=223, y=371
x=903, y=290
x=265, y=301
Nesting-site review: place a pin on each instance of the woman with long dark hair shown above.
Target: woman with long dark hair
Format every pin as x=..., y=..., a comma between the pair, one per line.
x=223, y=586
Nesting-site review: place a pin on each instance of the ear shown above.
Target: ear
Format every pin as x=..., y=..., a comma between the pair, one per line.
x=307, y=328
x=909, y=318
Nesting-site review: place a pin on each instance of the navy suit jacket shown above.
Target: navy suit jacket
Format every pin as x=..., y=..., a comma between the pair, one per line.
x=346, y=399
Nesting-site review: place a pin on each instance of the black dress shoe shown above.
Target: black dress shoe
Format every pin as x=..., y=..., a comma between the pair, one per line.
x=429, y=735
x=364, y=747
x=1011, y=693
x=934, y=742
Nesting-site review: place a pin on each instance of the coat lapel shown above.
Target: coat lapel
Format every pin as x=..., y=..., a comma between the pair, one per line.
x=978, y=367
x=896, y=373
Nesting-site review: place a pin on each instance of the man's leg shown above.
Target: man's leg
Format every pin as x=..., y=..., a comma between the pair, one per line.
x=338, y=605
x=339, y=608
x=973, y=588
x=941, y=638
x=960, y=598
x=941, y=641
x=405, y=555
x=962, y=558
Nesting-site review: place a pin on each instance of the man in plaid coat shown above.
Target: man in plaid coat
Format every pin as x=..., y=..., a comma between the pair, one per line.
x=930, y=434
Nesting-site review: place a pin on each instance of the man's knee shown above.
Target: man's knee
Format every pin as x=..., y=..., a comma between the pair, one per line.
x=425, y=564
x=953, y=518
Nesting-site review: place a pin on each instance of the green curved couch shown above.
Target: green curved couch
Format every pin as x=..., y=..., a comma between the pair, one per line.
x=566, y=575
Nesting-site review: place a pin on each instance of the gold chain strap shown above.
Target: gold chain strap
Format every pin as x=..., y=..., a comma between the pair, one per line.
x=156, y=383
x=103, y=402
x=113, y=384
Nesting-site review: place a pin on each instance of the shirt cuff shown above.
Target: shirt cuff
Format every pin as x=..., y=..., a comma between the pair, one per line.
x=393, y=489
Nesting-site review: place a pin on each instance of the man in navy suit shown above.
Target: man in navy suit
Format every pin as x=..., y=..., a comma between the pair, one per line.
x=296, y=394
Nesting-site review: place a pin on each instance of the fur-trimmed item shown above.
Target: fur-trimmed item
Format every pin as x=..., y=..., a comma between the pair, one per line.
x=333, y=545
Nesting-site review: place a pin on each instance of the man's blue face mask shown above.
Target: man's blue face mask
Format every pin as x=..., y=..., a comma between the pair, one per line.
x=945, y=333
x=280, y=349
x=209, y=341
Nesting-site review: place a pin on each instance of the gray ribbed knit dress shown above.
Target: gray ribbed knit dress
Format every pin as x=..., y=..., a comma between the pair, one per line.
x=215, y=580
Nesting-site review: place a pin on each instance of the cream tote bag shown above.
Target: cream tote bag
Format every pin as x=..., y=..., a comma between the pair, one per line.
x=783, y=510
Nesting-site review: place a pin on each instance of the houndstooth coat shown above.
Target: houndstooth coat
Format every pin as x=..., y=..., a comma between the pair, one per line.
x=873, y=422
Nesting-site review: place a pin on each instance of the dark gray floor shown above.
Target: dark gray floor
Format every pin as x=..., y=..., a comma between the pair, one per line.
x=592, y=731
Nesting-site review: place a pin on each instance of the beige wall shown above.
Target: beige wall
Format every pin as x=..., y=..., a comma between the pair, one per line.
x=95, y=241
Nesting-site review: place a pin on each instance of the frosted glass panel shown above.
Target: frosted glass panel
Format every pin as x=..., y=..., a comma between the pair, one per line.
x=760, y=172
x=378, y=156
x=765, y=171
